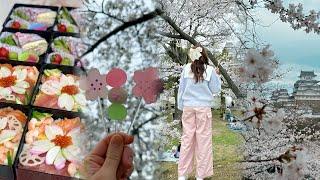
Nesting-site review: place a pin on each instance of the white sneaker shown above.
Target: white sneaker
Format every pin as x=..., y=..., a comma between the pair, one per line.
x=199, y=178
x=182, y=178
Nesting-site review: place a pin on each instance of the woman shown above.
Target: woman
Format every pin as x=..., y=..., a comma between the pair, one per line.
x=198, y=83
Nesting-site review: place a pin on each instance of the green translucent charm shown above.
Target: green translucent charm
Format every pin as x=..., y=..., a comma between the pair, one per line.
x=117, y=111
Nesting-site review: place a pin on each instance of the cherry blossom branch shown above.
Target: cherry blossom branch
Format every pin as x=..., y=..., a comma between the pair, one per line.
x=122, y=27
x=294, y=15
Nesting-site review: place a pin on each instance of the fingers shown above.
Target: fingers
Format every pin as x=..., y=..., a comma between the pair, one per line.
x=127, y=157
x=114, y=155
x=126, y=163
x=101, y=148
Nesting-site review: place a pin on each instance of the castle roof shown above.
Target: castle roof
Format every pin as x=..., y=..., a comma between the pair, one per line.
x=307, y=73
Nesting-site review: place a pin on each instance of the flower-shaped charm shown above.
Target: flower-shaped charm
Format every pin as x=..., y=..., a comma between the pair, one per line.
x=59, y=146
x=94, y=84
x=148, y=85
x=12, y=82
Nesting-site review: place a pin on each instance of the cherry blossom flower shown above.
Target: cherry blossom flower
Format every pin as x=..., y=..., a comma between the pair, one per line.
x=148, y=85
x=59, y=146
x=273, y=123
x=258, y=66
x=94, y=84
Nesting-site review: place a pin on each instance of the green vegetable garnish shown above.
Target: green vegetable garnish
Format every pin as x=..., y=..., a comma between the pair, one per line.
x=21, y=14
x=61, y=44
x=66, y=15
x=9, y=158
x=8, y=40
x=52, y=72
x=39, y=115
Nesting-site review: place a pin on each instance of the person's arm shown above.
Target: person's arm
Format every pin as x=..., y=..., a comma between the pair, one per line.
x=182, y=86
x=215, y=83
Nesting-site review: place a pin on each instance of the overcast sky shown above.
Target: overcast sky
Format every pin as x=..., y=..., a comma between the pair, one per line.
x=295, y=49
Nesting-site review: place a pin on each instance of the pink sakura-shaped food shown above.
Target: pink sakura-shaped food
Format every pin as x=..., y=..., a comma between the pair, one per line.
x=60, y=91
x=148, y=84
x=16, y=82
x=59, y=146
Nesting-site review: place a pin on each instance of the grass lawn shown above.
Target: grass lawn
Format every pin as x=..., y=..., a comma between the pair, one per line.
x=225, y=154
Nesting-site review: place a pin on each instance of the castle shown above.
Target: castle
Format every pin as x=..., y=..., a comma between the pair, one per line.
x=306, y=92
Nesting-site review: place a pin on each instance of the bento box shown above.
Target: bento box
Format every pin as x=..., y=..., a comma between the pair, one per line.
x=30, y=18
x=24, y=47
x=52, y=147
x=59, y=89
x=13, y=120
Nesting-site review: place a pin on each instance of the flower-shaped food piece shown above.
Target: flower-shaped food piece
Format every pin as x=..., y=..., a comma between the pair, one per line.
x=16, y=83
x=148, y=85
x=116, y=77
x=94, y=84
x=59, y=146
x=60, y=91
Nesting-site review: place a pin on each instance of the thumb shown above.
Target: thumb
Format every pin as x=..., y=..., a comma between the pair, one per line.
x=114, y=155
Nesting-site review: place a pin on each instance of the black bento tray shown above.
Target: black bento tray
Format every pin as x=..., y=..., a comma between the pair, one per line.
x=8, y=172
x=49, y=29
x=65, y=70
x=47, y=36
x=16, y=63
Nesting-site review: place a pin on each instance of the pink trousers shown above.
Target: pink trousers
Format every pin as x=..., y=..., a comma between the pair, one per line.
x=196, y=141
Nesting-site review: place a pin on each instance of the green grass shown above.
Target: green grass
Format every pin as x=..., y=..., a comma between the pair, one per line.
x=225, y=153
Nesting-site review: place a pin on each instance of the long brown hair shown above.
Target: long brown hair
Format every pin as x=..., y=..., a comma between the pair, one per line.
x=198, y=67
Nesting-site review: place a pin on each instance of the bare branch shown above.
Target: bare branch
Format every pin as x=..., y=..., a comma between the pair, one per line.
x=122, y=27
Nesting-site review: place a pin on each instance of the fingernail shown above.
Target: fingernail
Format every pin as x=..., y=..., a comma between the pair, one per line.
x=117, y=140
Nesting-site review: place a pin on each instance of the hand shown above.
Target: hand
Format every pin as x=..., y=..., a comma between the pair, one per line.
x=111, y=159
x=217, y=70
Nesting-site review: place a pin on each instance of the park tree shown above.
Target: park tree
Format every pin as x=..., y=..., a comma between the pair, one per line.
x=138, y=34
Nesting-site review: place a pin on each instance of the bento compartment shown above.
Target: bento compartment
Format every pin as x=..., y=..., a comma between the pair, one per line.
x=17, y=83
x=25, y=47
x=67, y=20
x=31, y=17
x=12, y=122
x=59, y=89
x=53, y=144
x=68, y=44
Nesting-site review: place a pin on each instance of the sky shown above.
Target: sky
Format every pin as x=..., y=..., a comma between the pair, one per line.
x=295, y=50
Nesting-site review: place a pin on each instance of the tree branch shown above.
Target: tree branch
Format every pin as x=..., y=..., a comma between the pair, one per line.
x=185, y=36
x=122, y=27
x=175, y=36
